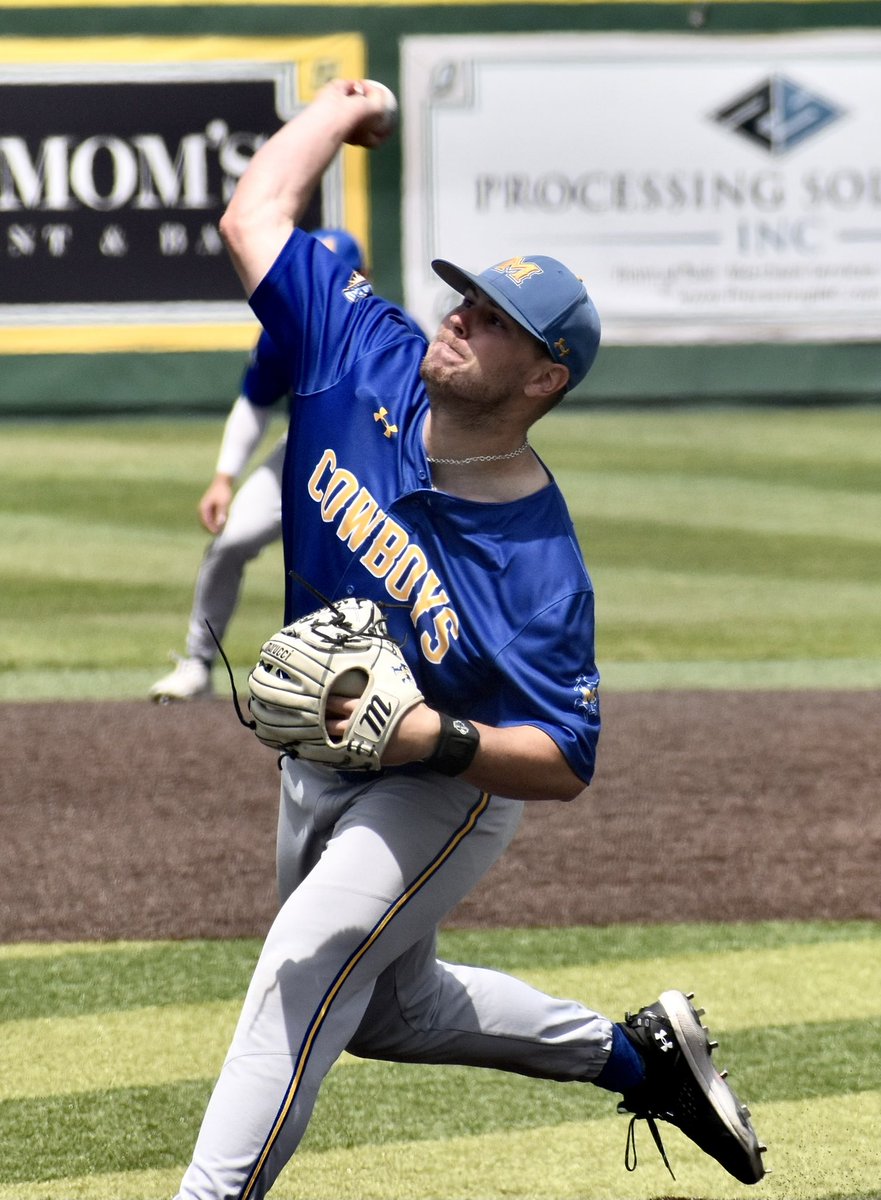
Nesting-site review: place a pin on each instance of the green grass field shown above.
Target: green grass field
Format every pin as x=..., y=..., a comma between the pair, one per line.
x=108, y=1053
x=729, y=548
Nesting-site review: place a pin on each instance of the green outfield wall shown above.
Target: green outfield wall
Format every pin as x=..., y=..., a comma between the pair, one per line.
x=140, y=362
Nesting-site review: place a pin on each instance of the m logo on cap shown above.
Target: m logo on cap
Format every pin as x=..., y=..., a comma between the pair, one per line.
x=517, y=270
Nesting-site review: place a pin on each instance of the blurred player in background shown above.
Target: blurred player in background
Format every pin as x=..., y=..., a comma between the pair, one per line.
x=243, y=526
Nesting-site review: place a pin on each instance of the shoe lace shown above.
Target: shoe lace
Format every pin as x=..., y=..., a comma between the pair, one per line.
x=630, y=1159
x=232, y=683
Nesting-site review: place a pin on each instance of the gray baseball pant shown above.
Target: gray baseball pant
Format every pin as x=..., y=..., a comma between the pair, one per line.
x=366, y=871
x=254, y=522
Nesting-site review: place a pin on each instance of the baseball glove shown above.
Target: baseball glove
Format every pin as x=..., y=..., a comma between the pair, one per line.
x=343, y=648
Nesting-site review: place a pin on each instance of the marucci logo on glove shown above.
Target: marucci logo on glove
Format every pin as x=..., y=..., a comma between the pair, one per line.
x=278, y=650
x=343, y=649
x=376, y=714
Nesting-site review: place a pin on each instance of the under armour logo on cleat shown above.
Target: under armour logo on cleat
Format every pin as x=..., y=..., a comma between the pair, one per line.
x=663, y=1041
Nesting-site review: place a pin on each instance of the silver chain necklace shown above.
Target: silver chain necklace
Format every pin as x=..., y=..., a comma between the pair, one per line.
x=477, y=458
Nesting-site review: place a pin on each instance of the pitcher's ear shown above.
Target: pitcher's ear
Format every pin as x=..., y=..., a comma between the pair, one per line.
x=547, y=380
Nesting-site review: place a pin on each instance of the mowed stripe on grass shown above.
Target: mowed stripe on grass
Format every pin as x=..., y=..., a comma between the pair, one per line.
x=159, y=1044
x=711, y=534
x=90, y=1099
x=575, y=1160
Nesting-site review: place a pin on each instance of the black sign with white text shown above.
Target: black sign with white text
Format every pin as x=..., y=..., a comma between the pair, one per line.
x=111, y=192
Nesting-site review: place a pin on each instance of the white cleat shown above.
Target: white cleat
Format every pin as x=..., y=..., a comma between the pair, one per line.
x=190, y=680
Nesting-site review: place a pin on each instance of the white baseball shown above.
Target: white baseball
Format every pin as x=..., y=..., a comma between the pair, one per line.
x=389, y=116
x=378, y=127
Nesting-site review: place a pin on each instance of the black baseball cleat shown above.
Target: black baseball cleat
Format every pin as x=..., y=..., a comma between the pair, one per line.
x=682, y=1086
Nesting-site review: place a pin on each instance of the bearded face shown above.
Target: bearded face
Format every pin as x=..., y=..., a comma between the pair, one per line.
x=478, y=360
x=475, y=393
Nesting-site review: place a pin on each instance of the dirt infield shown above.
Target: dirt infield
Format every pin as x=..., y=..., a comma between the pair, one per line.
x=130, y=820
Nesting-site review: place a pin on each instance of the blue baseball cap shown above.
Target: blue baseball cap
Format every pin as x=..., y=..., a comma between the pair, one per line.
x=545, y=298
x=343, y=245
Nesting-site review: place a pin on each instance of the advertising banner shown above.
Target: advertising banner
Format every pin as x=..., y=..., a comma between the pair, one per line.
x=117, y=158
x=707, y=189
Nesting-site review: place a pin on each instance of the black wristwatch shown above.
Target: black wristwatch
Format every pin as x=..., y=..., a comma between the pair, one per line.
x=455, y=748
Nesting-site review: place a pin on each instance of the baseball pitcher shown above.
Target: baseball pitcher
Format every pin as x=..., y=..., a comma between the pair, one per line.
x=434, y=673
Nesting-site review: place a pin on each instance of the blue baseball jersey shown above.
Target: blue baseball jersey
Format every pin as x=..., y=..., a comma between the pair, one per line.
x=265, y=378
x=491, y=602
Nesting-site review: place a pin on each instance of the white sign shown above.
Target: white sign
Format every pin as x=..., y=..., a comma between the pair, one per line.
x=707, y=189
